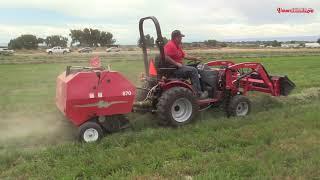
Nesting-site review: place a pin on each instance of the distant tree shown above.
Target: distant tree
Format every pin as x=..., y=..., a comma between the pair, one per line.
x=76, y=36
x=56, y=40
x=215, y=43
x=106, y=38
x=275, y=43
x=211, y=43
x=41, y=40
x=318, y=41
x=15, y=44
x=223, y=44
x=165, y=40
x=148, y=40
x=95, y=37
x=87, y=39
x=26, y=41
x=91, y=37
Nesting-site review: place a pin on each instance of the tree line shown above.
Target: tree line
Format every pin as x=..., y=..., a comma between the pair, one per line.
x=150, y=42
x=85, y=37
x=94, y=38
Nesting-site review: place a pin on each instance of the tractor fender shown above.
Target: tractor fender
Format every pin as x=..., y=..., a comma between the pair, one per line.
x=176, y=83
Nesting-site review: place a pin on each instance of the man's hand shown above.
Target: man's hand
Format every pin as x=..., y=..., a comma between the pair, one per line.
x=179, y=65
x=192, y=58
x=173, y=62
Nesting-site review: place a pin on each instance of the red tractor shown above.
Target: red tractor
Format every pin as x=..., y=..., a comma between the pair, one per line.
x=227, y=83
x=96, y=99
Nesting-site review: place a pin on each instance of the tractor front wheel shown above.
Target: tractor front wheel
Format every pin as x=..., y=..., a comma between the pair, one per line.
x=177, y=106
x=90, y=132
x=239, y=106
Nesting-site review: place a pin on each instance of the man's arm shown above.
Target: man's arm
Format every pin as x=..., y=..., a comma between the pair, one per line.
x=170, y=50
x=173, y=62
x=192, y=58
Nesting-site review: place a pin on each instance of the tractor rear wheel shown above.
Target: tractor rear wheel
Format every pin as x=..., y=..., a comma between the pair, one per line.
x=239, y=106
x=177, y=106
x=90, y=132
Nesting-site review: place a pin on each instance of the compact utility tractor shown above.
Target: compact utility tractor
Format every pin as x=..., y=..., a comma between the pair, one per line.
x=97, y=99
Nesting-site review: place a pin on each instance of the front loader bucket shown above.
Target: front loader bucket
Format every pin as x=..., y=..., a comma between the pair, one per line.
x=286, y=85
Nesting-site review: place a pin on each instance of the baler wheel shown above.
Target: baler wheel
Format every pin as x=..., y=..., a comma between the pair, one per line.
x=90, y=132
x=239, y=106
x=177, y=106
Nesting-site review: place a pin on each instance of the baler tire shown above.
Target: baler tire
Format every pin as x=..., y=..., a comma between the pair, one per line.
x=169, y=102
x=94, y=127
x=239, y=105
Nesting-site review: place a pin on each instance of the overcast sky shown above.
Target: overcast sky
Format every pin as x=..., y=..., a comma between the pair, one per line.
x=197, y=19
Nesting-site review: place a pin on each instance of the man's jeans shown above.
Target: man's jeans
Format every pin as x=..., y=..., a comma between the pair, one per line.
x=192, y=73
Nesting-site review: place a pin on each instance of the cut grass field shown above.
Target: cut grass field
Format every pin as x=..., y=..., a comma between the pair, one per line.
x=278, y=140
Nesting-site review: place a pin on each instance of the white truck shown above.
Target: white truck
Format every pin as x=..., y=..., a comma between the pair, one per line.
x=113, y=49
x=6, y=51
x=58, y=50
x=312, y=45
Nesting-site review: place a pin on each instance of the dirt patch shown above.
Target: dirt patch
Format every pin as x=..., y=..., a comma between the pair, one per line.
x=29, y=130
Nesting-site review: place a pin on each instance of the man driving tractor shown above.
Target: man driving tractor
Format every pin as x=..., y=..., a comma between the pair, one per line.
x=175, y=55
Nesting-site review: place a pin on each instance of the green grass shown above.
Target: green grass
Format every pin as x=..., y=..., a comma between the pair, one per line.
x=278, y=140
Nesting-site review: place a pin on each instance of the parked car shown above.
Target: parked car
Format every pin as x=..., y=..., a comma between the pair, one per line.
x=113, y=49
x=6, y=51
x=57, y=50
x=85, y=50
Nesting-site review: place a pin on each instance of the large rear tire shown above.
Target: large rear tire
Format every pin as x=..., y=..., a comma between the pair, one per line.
x=90, y=132
x=239, y=106
x=177, y=106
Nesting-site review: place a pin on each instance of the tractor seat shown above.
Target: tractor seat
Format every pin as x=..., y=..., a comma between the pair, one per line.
x=167, y=70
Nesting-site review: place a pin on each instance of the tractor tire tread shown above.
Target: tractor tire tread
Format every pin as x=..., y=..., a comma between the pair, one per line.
x=234, y=102
x=87, y=125
x=167, y=98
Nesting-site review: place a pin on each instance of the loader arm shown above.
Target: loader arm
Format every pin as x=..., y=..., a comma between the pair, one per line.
x=255, y=80
x=220, y=63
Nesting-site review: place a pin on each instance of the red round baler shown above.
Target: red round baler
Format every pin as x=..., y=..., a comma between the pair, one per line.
x=86, y=94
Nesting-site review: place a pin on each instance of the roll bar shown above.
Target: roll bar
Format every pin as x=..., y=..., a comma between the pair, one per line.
x=159, y=42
